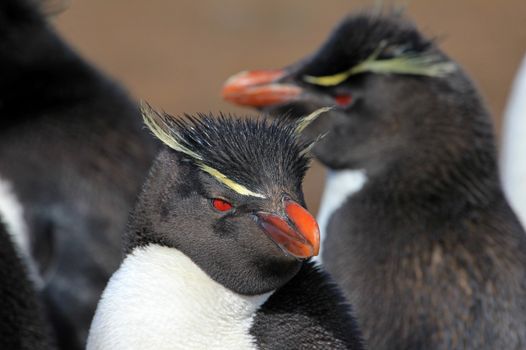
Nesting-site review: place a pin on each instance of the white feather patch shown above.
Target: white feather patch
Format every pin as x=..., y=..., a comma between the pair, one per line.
x=12, y=214
x=159, y=299
x=513, y=155
x=339, y=186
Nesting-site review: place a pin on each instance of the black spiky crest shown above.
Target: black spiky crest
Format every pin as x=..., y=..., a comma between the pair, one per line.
x=249, y=155
x=375, y=42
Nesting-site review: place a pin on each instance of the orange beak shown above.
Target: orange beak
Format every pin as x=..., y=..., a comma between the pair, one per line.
x=259, y=88
x=297, y=234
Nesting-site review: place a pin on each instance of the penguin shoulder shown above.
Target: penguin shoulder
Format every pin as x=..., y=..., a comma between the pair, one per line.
x=312, y=312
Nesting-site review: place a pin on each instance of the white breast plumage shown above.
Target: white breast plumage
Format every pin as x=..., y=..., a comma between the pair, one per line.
x=159, y=299
x=339, y=186
x=12, y=214
x=513, y=155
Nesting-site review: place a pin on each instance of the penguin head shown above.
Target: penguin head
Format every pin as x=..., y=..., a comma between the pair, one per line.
x=227, y=193
x=381, y=75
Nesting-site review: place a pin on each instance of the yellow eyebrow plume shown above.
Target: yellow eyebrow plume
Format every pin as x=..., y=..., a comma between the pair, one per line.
x=242, y=190
x=409, y=63
x=159, y=126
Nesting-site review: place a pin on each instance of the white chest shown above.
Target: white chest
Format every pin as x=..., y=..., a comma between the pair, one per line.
x=12, y=214
x=159, y=299
x=513, y=154
x=339, y=186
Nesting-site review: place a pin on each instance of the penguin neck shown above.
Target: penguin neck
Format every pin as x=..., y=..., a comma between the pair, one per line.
x=159, y=290
x=442, y=187
x=408, y=195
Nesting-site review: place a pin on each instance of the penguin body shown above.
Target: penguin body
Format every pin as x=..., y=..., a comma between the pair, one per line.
x=427, y=248
x=23, y=324
x=215, y=248
x=73, y=153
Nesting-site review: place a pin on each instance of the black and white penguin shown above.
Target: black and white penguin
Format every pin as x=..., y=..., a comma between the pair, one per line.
x=23, y=324
x=73, y=156
x=418, y=231
x=216, y=244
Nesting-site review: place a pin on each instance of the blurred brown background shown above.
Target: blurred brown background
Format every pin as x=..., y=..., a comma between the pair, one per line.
x=177, y=53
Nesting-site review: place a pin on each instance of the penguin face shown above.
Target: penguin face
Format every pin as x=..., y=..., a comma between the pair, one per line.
x=243, y=223
x=373, y=70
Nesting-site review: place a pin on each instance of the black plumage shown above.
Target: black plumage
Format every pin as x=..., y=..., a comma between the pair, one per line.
x=23, y=323
x=356, y=38
x=239, y=148
x=428, y=251
x=309, y=312
x=74, y=151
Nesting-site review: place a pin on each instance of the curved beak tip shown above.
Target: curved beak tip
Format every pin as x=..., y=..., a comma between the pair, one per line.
x=297, y=234
x=305, y=224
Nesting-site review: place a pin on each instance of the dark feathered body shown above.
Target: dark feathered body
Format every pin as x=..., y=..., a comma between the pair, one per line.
x=428, y=250
x=73, y=149
x=309, y=312
x=23, y=324
x=435, y=282
x=433, y=258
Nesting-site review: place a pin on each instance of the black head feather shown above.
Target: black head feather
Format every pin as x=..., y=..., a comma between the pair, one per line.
x=358, y=36
x=257, y=153
x=23, y=12
x=251, y=152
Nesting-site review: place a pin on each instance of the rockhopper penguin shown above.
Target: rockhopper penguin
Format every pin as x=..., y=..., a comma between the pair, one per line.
x=217, y=243
x=73, y=155
x=418, y=231
x=23, y=323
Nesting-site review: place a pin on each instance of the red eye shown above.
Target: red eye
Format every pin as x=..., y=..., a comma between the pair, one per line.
x=221, y=205
x=343, y=100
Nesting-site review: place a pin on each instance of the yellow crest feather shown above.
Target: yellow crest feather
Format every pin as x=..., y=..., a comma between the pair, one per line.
x=305, y=121
x=228, y=182
x=409, y=63
x=159, y=126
